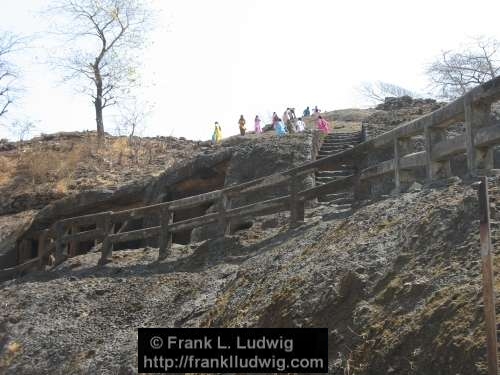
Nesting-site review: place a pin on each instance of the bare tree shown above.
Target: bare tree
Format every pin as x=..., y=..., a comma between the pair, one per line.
x=378, y=91
x=456, y=72
x=9, y=43
x=103, y=39
x=21, y=129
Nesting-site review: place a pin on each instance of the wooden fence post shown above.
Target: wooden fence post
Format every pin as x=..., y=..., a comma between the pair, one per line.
x=435, y=169
x=397, y=168
x=296, y=204
x=166, y=219
x=106, y=247
x=42, y=239
x=479, y=160
x=59, y=253
x=224, y=223
x=73, y=244
x=488, y=277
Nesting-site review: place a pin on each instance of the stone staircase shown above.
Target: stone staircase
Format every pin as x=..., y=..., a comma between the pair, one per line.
x=332, y=144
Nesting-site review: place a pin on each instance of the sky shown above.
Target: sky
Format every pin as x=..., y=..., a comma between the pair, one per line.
x=215, y=60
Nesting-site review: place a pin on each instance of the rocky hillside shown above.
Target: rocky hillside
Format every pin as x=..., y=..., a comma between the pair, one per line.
x=53, y=166
x=397, y=284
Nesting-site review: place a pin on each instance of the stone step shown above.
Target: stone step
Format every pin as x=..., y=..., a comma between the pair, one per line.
x=332, y=152
x=342, y=201
x=318, y=183
x=344, y=194
x=338, y=144
x=335, y=134
x=334, y=149
x=325, y=179
x=343, y=172
x=339, y=147
x=332, y=198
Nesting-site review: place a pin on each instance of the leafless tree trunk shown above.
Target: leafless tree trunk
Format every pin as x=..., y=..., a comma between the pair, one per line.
x=113, y=28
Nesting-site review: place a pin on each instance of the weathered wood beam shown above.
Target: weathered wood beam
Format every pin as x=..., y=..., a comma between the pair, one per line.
x=257, y=207
x=413, y=160
x=106, y=246
x=165, y=243
x=487, y=136
x=330, y=187
x=445, y=149
x=477, y=115
x=195, y=201
x=136, y=213
x=134, y=235
x=82, y=220
x=379, y=169
x=93, y=234
x=194, y=222
x=488, y=92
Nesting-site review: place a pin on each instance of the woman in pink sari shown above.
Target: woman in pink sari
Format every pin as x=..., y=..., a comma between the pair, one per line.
x=258, y=130
x=322, y=125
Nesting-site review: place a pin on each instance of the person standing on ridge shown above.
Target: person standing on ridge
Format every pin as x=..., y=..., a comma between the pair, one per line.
x=280, y=128
x=307, y=112
x=242, y=123
x=217, y=135
x=322, y=125
x=288, y=120
x=316, y=112
x=300, y=125
x=275, y=119
x=258, y=130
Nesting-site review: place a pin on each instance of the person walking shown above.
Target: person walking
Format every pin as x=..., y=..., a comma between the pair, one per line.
x=287, y=119
x=217, y=136
x=242, y=123
x=316, y=112
x=258, y=130
x=300, y=125
x=322, y=125
x=280, y=128
x=275, y=119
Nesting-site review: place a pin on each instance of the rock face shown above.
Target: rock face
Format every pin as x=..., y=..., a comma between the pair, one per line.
x=259, y=157
x=396, y=283
x=392, y=103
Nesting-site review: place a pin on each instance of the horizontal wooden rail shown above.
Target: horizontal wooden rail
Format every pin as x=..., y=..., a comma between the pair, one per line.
x=255, y=208
x=82, y=220
x=97, y=234
x=193, y=222
x=134, y=235
x=330, y=187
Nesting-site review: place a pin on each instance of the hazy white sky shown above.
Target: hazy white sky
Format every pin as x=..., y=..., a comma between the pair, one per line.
x=214, y=60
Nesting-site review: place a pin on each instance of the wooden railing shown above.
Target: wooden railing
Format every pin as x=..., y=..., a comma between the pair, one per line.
x=473, y=109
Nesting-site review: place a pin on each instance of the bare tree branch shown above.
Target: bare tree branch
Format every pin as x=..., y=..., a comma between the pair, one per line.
x=456, y=72
x=9, y=44
x=378, y=91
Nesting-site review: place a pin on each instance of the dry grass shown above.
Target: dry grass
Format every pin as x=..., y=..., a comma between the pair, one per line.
x=7, y=168
x=63, y=165
x=49, y=166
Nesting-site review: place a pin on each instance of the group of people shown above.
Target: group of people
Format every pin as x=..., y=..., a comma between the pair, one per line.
x=289, y=123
